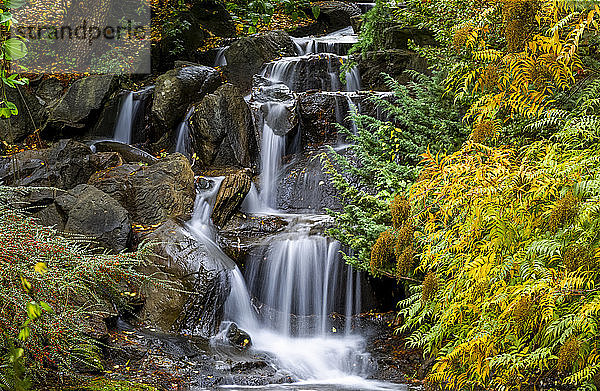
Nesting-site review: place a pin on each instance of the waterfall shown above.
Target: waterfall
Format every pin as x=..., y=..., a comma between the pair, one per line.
x=220, y=60
x=125, y=120
x=299, y=283
x=353, y=79
x=295, y=280
x=129, y=110
x=183, y=135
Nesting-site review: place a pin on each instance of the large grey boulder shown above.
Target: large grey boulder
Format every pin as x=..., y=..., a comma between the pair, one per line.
x=32, y=115
x=246, y=56
x=84, y=98
x=177, y=89
x=196, y=273
x=151, y=194
x=223, y=131
x=87, y=211
x=65, y=165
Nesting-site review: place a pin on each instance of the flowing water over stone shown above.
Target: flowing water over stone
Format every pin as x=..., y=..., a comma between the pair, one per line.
x=295, y=282
x=297, y=278
x=183, y=145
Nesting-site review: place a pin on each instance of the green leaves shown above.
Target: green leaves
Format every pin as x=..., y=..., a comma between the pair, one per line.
x=316, y=11
x=13, y=49
x=8, y=111
x=13, y=4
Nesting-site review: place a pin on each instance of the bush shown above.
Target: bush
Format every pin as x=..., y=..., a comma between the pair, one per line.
x=50, y=284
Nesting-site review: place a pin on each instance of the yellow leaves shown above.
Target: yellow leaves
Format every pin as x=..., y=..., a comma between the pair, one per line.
x=41, y=268
x=540, y=58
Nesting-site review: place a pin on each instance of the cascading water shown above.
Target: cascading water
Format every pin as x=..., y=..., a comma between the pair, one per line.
x=298, y=279
x=128, y=112
x=183, y=135
x=220, y=60
x=125, y=120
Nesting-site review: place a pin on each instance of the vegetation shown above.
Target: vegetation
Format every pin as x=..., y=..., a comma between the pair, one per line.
x=49, y=286
x=498, y=240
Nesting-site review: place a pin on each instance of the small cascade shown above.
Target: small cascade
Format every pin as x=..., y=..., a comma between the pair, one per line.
x=220, y=60
x=299, y=282
x=338, y=42
x=183, y=145
x=129, y=113
x=125, y=120
x=353, y=79
x=312, y=72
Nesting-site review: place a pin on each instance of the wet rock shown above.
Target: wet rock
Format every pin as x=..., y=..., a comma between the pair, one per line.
x=32, y=115
x=246, y=56
x=269, y=100
x=223, y=131
x=244, y=232
x=88, y=211
x=151, y=194
x=333, y=16
x=231, y=194
x=396, y=37
x=185, y=263
x=305, y=187
x=82, y=101
x=319, y=113
x=176, y=90
x=104, y=126
x=129, y=153
x=238, y=338
x=50, y=90
x=391, y=62
x=336, y=15
x=65, y=165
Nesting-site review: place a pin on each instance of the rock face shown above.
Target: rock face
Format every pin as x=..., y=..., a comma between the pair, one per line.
x=305, y=188
x=49, y=90
x=151, y=194
x=65, y=165
x=396, y=37
x=82, y=100
x=223, y=131
x=186, y=264
x=333, y=15
x=90, y=212
x=32, y=115
x=336, y=15
x=246, y=56
x=176, y=90
x=391, y=62
x=232, y=192
x=319, y=112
